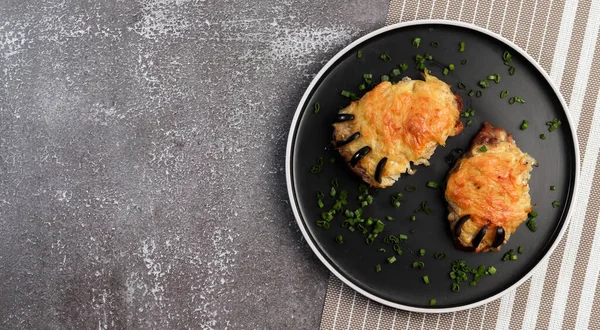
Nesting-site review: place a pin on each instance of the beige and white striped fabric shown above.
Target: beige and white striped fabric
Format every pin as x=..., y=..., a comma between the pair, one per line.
x=563, y=293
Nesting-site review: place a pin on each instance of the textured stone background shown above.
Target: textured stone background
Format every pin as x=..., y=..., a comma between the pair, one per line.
x=142, y=153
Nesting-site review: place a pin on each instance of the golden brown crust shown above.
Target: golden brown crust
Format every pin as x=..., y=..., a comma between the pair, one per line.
x=492, y=187
x=404, y=122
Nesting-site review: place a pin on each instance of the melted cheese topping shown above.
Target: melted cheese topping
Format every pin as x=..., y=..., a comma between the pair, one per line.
x=492, y=186
x=403, y=122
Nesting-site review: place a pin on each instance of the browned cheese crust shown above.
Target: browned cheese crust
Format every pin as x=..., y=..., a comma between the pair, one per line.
x=402, y=122
x=489, y=189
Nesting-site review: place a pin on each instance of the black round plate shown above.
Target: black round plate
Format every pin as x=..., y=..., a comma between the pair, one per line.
x=398, y=284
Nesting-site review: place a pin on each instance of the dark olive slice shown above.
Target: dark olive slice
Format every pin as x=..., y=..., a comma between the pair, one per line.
x=379, y=169
x=479, y=237
x=347, y=140
x=459, y=224
x=343, y=117
x=499, y=237
x=359, y=155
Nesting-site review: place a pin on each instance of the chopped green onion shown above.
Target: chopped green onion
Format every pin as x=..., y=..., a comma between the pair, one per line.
x=315, y=169
x=410, y=188
x=349, y=95
x=396, y=200
x=531, y=225
x=389, y=218
x=416, y=42
x=339, y=239
x=424, y=207
x=511, y=100
x=543, y=136
x=391, y=259
x=555, y=204
x=398, y=249
x=385, y=77
x=533, y=214
x=418, y=265
x=317, y=107
x=469, y=122
x=503, y=94
x=359, y=53
x=494, y=77
x=385, y=57
x=471, y=93
x=432, y=184
x=381, y=250
x=392, y=239
x=421, y=252
x=320, y=161
x=334, y=183
x=552, y=188
x=440, y=255
x=455, y=287
x=403, y=66
x=483, y=149
x=492, y=270
x=378, y=268
x=511, y=70
x=320, y=203
x=432, y=302
x=445, y=72
x=451, y=67
x=435, y=44
x=396, y=72
x=363, y=189
x=332, y=192
x=413, y=218
x=378, y=226
x=553, y=124
x=320, y=195
x=426, y=279
x=461, y=47
x=362, y=87
x=462, y=85
x=484, y=84
x=478, y=93
x=524, y=125
x=520, y=250
x=463, y=62
x=402, y=237
x=514, y=257
x=506, y=56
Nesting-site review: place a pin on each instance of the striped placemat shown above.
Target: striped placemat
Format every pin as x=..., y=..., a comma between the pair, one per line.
x=562, y=35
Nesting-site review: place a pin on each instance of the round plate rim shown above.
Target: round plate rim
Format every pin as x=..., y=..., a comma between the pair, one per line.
x=290, y=145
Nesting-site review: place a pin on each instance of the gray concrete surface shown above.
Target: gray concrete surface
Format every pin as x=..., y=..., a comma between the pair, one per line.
x=142, y=150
